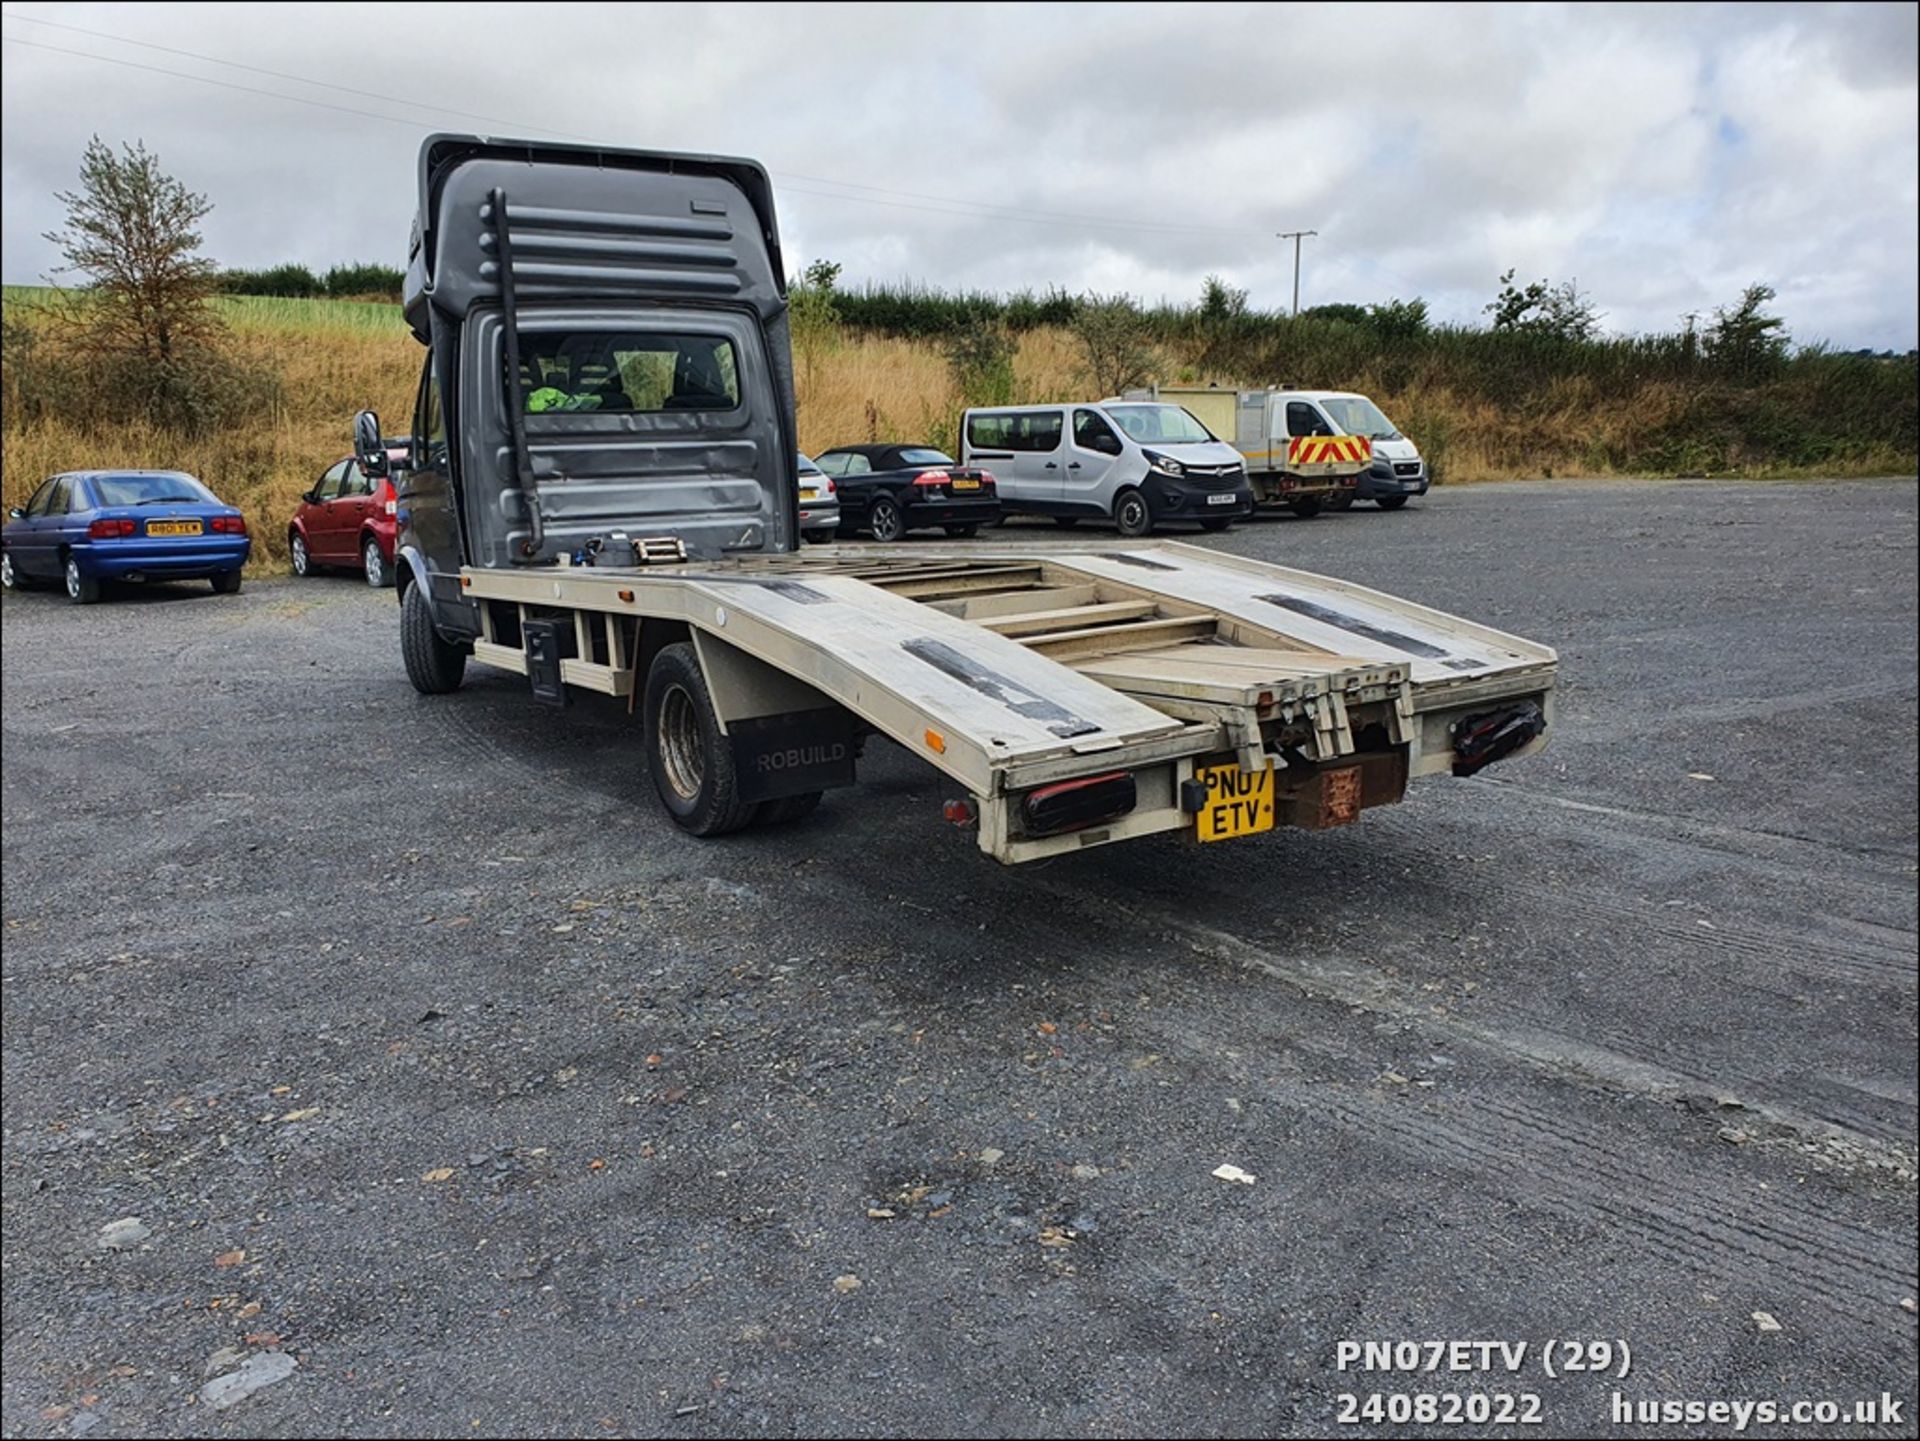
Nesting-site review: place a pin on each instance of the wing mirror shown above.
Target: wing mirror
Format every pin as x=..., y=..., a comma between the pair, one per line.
x=1107, y=445
x=15, y=513
x=368, y=449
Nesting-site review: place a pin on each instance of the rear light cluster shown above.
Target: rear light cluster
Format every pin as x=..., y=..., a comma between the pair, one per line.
x=228, y=525
x=931, y=477
x=388, y=498
x=109, y=529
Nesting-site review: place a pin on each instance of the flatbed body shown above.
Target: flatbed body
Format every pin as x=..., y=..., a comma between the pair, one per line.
x=1013, y=667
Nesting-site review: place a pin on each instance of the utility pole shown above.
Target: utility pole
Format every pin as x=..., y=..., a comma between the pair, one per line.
x=1295, y=237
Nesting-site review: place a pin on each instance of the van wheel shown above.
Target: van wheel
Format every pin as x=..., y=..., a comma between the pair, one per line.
x=1305, y=509
x=963, y=532
x=434, y=665
x=1391, y=502
x=692, y=764
x=885, y=520
x=1130, y=514
x=787, y=808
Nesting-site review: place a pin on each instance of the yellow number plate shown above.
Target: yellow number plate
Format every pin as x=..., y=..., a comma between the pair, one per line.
x=1239, y=803
x=966, y=485
x=173, y=527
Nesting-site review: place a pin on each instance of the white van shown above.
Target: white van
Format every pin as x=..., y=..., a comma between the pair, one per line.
x=1137, y=463
x=1398, y=473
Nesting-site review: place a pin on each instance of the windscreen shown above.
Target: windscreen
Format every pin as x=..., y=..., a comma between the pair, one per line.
x=1165, y=424
x=1356, y=415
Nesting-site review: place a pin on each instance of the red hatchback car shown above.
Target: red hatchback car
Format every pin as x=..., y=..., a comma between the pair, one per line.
x=346, y=520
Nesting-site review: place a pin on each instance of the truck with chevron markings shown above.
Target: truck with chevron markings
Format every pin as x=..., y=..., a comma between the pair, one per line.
x=1294, y=457
x=639, y=539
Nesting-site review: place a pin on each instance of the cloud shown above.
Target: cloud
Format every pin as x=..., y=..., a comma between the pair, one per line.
x=1664, y=156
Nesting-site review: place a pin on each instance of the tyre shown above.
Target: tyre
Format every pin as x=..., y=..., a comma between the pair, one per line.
x=81, y=589
x=1066, y=522
x=817, y=537
x=1130, y=514
x=10, y=578
x=1305, y=509
x=375, y=565
x=787, y=808
x=1214, y=524
x=1391, y=502
x=885, y=519
x=691, y=762
x=226, y=583
x=434, y=665
x=302, y=559
x=963, y=532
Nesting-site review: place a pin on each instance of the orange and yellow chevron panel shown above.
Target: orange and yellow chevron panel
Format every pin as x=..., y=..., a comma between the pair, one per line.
x=1323, y=449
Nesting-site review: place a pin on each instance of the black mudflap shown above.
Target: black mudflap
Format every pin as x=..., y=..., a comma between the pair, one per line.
x=543, y=639
x=790, y=755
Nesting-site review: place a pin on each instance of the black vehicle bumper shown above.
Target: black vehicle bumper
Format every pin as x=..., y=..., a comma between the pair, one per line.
x=1175, y=498
x=951, y=511
x=1383, y=480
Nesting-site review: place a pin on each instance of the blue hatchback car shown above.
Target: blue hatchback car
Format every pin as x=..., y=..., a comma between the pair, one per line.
x=98, y=525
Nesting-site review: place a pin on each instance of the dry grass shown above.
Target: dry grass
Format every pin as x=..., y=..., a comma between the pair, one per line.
x=335, y=358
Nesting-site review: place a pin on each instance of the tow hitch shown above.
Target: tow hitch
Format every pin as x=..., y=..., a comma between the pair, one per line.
x=1480, y=740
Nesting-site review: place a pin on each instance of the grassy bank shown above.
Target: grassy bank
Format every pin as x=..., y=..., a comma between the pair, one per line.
x=1480, y=412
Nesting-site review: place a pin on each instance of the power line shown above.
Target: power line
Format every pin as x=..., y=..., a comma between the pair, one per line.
x=262, y=70
x=208, y=80
x=937, y=204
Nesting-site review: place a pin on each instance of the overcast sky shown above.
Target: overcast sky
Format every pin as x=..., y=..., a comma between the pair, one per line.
x=1664, y=156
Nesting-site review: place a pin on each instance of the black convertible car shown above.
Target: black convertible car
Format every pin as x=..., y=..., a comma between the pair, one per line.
x=888, y=490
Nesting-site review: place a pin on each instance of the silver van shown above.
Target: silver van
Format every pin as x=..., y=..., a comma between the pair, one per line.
x=1137, y=463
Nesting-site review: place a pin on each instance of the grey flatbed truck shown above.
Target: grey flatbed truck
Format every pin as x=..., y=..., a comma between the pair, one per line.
x=600, y=496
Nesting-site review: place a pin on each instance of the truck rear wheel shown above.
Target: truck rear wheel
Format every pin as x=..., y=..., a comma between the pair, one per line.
x=435, y=666
x=687, y=753
x=1305, y=509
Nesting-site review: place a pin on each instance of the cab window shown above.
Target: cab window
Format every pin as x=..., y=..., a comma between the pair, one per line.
x=627, y=372
x=1304, y=419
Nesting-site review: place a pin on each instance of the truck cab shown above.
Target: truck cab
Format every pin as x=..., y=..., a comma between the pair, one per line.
x=607, y=355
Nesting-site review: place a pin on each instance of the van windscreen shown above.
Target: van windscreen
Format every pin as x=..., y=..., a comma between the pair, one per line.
x=1167, y=424
x=1356, y=415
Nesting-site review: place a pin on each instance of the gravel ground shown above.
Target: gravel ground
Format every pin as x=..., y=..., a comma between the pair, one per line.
x=433, y=1061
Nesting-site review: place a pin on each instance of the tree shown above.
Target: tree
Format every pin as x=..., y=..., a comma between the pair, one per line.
x=1220, y=302
x=1399, y=319
x=1342, y=311
x=813, y=312
x=1113, y=338
x=1744, y=339
x=1562, y=311
x=134, y=232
